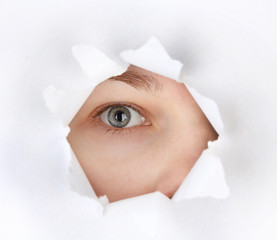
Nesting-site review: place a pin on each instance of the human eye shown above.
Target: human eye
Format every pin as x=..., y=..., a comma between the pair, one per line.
x=120, y=116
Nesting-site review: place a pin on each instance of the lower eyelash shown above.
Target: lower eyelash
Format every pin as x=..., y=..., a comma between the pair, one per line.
x=113, y=131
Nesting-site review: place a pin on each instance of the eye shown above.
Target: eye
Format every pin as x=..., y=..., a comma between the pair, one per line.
x=121, y=116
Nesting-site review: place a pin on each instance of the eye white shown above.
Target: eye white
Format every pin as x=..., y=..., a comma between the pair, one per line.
x=135, y=120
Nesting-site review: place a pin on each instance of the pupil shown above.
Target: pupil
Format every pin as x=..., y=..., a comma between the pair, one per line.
x=120, y=116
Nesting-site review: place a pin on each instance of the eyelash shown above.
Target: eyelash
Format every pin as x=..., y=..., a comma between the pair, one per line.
x=97, y=122
x=113, y=130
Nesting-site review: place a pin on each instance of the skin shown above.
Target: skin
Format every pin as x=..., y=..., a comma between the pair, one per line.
x=154, y=156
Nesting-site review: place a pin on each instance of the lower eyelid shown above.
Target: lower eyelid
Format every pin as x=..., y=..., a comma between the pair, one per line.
x=109, y=129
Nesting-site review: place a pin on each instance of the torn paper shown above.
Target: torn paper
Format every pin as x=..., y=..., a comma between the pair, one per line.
x=203, y=181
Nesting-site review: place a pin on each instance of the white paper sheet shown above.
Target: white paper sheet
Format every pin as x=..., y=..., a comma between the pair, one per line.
x=228, y=50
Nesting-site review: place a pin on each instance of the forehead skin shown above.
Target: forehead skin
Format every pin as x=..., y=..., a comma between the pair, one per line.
x=140, y=79
x=148, y=159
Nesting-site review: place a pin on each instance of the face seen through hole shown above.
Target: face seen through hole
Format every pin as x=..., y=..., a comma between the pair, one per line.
x=137, y=133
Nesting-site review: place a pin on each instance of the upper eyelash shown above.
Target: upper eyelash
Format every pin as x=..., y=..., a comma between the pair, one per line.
x=105, y=107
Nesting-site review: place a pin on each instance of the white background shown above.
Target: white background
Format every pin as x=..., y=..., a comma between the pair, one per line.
x=229, y=51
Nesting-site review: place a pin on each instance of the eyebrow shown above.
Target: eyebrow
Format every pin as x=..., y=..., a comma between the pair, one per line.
x=140, y=81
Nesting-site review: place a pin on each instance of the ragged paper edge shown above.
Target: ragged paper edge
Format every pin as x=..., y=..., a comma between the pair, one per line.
x=66, y=103
x=153, y=57
x=208, y=167
x=206, y=179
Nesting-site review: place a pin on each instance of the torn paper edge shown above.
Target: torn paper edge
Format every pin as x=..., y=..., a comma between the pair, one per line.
x=153, y=57
x=99, y=68
x=212, y=182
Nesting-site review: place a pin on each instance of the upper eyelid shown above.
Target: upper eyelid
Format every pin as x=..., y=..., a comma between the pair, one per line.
x=100, y=109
